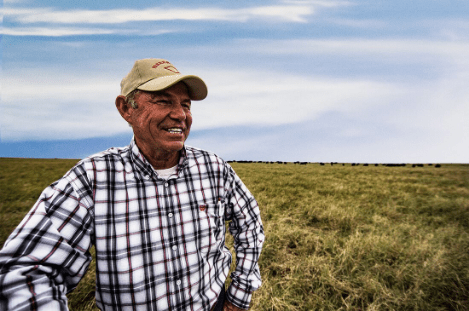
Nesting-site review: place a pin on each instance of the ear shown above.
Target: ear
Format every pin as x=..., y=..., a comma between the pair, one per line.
x=124, y=109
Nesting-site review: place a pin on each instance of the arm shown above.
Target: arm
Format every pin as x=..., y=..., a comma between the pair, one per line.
x=48, y=253
x=228, y=306
x=247, y=230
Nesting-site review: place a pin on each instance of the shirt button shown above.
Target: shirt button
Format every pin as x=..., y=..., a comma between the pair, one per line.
x=178, y=282
x=175, y=248
x=166, y=184
x=170, y=215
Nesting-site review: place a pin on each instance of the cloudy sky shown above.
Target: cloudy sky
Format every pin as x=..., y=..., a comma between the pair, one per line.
x=294, y=80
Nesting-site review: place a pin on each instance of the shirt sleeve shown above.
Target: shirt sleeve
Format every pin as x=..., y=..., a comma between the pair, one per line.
x=48, y=253
x=248, y=233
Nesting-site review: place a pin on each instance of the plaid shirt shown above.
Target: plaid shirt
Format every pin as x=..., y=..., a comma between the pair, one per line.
x=160, y=244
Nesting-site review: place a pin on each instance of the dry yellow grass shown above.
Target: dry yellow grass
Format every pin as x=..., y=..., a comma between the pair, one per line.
x=338, y=238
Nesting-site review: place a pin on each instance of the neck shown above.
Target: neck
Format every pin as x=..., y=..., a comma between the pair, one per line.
x=161, y=164
x=160, y=159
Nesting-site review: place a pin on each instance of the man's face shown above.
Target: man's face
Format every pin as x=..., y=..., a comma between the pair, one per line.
x=162, y=120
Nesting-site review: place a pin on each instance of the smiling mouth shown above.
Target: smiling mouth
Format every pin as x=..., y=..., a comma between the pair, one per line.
x=174, y=130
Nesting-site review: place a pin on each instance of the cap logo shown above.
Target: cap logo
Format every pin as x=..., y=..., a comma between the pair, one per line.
x=160, y=63
x=172, y=69
x=169, y=68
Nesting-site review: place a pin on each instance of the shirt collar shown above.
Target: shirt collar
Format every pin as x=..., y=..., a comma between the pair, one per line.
x=145, y=167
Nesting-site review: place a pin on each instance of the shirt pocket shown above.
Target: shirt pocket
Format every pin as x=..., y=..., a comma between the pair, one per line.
x=211, y=228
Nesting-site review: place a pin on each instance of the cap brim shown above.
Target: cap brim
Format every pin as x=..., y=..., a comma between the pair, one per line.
x=196, y=86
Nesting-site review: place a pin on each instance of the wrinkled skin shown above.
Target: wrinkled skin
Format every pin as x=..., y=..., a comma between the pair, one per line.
x=161, y=123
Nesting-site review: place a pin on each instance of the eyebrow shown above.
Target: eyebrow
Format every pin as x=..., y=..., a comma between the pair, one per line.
x=157, y=93
x=163, y=93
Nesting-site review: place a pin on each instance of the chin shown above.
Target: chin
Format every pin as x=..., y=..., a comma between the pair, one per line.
x=175, y=146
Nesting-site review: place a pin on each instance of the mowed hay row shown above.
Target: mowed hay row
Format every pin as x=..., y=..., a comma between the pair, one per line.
x=337, y=237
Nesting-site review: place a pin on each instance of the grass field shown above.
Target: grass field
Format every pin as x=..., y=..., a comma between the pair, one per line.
x=337, y=237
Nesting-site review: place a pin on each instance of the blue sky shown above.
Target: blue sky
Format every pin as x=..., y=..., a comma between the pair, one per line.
x=374, y=81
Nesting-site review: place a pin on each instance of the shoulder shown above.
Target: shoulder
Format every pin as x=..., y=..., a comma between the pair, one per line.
x=114, y=159
x=200, y=157
x=111, y=155
x=197, y=154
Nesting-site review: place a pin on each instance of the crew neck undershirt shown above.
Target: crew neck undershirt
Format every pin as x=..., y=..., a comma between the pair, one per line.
x=166, y=172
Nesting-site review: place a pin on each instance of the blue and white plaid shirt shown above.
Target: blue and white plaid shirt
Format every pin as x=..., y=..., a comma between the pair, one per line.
x=160, y=244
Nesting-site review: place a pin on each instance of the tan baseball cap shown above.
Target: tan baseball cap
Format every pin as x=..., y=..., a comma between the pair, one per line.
x=156, y=74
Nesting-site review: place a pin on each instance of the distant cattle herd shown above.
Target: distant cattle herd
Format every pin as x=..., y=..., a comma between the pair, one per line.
x=337, y=163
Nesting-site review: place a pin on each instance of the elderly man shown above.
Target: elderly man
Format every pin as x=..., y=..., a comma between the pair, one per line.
x=154, y=210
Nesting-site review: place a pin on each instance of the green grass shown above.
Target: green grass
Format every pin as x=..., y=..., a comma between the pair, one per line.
x=337, y=238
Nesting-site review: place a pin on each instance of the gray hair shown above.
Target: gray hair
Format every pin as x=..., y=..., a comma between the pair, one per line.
x=130, y=99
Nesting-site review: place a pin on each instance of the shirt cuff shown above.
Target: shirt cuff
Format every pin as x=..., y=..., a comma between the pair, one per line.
x=239, y=297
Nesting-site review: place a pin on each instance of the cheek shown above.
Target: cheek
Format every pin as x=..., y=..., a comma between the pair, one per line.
x=143, y=119
x=189, y=119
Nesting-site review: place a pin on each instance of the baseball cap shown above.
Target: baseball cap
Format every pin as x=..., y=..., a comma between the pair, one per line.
x=156, y=74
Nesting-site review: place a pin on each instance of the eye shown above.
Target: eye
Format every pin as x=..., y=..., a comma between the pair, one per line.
x=163, y=102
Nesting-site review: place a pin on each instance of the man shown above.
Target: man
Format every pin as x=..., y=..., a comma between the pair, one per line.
x=155, y=212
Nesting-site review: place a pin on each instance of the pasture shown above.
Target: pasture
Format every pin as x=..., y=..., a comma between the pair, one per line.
x=337, y=237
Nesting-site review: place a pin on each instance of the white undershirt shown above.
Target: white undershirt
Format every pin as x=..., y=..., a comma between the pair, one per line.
x=166, y=172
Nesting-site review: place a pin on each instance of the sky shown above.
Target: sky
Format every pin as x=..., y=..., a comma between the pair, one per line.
x=366, y=81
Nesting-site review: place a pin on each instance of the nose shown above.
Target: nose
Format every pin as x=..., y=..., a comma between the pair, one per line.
x=177, y=112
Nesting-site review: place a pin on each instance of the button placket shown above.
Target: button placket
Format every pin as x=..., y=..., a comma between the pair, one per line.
x=173, y=219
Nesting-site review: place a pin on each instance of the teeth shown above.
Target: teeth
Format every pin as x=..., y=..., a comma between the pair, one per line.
x=175, y=130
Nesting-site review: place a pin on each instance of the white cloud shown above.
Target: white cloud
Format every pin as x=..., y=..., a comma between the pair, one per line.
x=53, y=105
x=53, y=32
x=440, y=107
x=37, y=104
x=358, y=23
x=256, y=97
x=323, y=3
x=385, y=122
x=268, y=98
x=451, y=29
x=69, y=31
x=14, y=1
x=284, y=13
x=427, y=113
x=357, y=46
